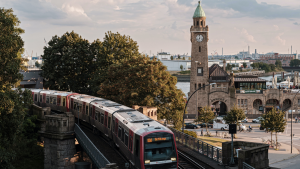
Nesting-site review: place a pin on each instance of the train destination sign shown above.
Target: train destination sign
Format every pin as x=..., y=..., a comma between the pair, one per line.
x=150, y=140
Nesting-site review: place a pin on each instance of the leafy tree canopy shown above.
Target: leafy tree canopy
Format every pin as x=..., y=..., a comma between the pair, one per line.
x=244, y=65
x=11, y=45
x=141, y=81
x=278, y=64
x=67, y=59
x=229, y=66
x=206, y=115
x=235, y=115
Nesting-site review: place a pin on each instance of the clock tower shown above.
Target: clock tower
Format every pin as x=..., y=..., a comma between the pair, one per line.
x=199, y=63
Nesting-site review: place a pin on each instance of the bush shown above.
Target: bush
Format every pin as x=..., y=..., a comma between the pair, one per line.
x=191, y=133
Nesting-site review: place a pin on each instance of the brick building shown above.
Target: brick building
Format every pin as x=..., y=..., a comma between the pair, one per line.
x=213, y=86
x=271, y=58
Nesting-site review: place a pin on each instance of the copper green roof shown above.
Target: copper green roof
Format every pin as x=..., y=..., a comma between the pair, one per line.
x=199, y=12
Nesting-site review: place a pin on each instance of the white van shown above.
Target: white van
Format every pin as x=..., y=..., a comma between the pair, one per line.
x=220, y=124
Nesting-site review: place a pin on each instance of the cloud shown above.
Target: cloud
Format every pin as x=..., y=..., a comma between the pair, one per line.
x=245, y=35
x=75, y=11
x=296, y=23
x=174, y=26
x=117, y=8
x=276, y=27
x=251, y=8
x=217, y=41
x=282, y=41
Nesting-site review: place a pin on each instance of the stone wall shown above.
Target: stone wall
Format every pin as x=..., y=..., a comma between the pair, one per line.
x=254, y=154
x=148, y=111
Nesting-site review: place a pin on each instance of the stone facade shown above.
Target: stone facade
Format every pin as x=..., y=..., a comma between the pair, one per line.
x=148, y=111
x=59, y=141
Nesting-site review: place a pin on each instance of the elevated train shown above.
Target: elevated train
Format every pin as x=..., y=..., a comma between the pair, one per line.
x=146, y=143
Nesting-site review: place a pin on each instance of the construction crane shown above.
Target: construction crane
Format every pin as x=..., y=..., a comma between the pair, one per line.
x=215, y=53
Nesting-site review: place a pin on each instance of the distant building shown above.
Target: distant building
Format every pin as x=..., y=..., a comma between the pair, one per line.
x=164, y=56
x=271, y=58
x=174, y=65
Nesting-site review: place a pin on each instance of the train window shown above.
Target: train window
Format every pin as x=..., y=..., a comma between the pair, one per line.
x=119, y=132
x=51, y=100
x=54, y=100
x=35, y=97
x=116, y=127
x=96, y=117
x=41, y=98
x=102, y=118
x=123, y=133
x=87, y=110
x=99, y=117
x=113, y=125
x=64, y=102
x=137, y=147
x=108, y=123
x=79, y=107
x=44, y=98
x=126, y=138
x=47, y=99
x=105, y=120
x=75, y=106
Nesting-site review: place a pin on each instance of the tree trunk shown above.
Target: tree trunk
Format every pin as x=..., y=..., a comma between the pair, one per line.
x=271, y=139
x=206, y=128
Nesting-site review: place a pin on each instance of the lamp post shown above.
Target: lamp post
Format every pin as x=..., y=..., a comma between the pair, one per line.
x=292, y=122
x=197, y=92
x=188, y=102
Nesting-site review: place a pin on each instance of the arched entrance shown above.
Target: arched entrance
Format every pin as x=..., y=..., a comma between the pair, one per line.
x=287, y=104
x=219, y=108
x=257, y=105
x=271, y=103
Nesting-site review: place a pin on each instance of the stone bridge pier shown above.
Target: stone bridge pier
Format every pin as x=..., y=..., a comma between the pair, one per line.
x=59, y=141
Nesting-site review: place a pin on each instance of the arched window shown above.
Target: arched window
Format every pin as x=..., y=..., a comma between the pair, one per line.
x=199, y=48
x=201, y=23
x=148, y=113
x=195, y=86
x=203, y=85
x=199, y=86
x=197, y=23
x=152, y=113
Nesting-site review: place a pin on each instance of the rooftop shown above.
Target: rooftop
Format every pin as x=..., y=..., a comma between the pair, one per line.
x=199, y=12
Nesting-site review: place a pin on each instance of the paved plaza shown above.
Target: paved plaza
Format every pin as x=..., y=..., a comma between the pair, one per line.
x=282, y=158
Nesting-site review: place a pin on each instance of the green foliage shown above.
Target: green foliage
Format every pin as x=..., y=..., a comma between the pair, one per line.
x=172, y=58
x=244, y=65
x=295, y=63
x=235, y=115
x=274, y=122
x=183, y=58
x=233, y=65
x=229, y=66
x=11, y=47
x=206, y=115
x=178, y=56
x=261, y=65
x=37, y=64
x=278, y=64
x=114, y=49
x=144, y=82
x=185, y=72
x=236, y=57
x=272, y=67
x=191, y=133
x=67, y=58
x=181, y=67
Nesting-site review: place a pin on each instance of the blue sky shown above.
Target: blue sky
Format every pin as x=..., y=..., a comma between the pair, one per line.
x=163, y=25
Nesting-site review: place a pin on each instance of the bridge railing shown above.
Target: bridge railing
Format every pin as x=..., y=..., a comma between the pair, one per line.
x=96, y=156
x=198, y=145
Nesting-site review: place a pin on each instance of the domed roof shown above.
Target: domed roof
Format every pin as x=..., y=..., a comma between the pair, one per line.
x=199, y=12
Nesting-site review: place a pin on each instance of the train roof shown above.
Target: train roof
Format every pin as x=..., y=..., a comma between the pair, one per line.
x=85, y=98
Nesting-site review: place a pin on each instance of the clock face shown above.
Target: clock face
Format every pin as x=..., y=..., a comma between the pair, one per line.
x=199, y=38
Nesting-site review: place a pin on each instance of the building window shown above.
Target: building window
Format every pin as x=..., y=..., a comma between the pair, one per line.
x=242, y=102
x=197, y=23
x=195, y=86
x=201, y=23
x=218, y=85
x=203, y=85
x=238, y=102
x=200, y=71
x=199, y=86
x=213, y=86
x=246, y=102
x=224, y=85
x=199, y=48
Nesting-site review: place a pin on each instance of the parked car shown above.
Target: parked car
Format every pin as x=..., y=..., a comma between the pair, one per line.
x=245, y=120
x=191, y=126
x=203, y=125
x=257, y=120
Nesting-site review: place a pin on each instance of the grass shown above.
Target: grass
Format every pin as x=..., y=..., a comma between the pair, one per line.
x=185, y=72
x=213, y=141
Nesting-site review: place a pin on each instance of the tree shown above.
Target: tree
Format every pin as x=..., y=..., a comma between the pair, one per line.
x=274, y=121
x=183, y=58
x=178, y=56
x=141, y=81
x=278, y=64
x=67, y=58
x=37, y=64
x=235, y=115
x=172, y=58
x=233, y=65
x=244, y=65
x=181, y=67
x=272, y=67
x=295, y=63
x=114, y=49
x=13, y=108
x=236, y=57
x=229, y=66
x=206, y=115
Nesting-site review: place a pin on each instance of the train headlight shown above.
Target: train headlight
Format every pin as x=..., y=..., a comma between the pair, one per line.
x=147, y=161
x=173, y=159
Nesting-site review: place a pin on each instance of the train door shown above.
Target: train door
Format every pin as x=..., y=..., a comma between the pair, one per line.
x=32, y=93
x=44, y=97
x=105, y=123
x=71, y=107
x=58, y=100
x=138, y=151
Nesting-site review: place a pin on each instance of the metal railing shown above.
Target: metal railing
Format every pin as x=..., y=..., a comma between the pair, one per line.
x=97, y=157
x=247, y=166
x=196, y=144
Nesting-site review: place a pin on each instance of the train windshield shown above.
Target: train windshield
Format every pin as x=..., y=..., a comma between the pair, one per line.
x=159, y=147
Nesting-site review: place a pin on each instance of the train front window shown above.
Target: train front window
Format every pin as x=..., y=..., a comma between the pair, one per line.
x=159, y=147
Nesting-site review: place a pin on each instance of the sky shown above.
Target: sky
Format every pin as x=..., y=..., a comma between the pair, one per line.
x=164, y=25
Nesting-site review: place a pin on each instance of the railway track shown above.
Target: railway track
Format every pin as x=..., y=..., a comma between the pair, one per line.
x=187, y=162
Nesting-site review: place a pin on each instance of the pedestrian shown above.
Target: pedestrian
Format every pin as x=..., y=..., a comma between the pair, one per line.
x=296, y=119
x=202, y=132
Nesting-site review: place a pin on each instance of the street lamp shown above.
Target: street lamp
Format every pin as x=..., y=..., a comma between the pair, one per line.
x=292, y=123
x=189, y=100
